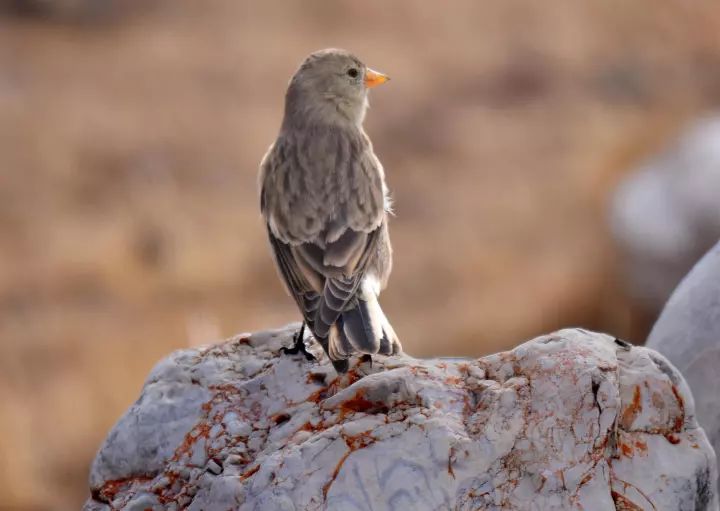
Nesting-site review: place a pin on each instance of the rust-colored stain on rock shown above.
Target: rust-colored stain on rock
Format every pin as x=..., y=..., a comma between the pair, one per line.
x=111, y=488
x=202, y=430
x=679, y=420
x=360, y=404
x=623, y=503
x=250, y=472
x=335, y=472
x=641, y=446
x=627, y=450
x=632, y=411
x=673, y=439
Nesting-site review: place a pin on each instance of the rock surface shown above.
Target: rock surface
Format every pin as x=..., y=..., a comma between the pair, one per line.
x=571, y=420
x=666, y=214
x=688, y=333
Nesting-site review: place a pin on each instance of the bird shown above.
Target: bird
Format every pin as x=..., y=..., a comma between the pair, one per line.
x=325, y=204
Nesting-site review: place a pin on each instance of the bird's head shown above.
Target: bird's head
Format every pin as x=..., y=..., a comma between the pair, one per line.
x=331, y=86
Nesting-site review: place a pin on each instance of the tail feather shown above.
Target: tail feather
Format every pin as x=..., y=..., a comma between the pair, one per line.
x=362, y=325
x=364, y=328
x=335, y=297
x=354, y=324
x=339, y=346
x=389, y=344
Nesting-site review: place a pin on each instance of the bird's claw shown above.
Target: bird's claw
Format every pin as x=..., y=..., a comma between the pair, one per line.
x=298, y=348
x=298, y=345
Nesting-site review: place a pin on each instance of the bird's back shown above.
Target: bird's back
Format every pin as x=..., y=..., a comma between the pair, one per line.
x=318, y=182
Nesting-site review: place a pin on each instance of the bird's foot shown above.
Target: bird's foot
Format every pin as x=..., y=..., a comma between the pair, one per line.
x=298, y=345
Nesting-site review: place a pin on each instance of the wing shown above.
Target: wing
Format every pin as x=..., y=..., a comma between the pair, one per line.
x=323, y=281
x=343, y=265
x=299, y=287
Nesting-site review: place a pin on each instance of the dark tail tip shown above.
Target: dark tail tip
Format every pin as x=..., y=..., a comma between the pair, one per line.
x=341, y=366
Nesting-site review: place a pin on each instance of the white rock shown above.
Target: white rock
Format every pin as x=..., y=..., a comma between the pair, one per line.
x=666, y=214
x=572, y=420
x=688, y=333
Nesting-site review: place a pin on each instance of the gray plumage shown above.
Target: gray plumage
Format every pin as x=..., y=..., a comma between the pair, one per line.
x=324, y=199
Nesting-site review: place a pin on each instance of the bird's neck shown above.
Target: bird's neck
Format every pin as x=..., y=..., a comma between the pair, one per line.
x=328, y=112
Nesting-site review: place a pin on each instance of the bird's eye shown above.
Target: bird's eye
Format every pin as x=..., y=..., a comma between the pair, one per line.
x=352, y=72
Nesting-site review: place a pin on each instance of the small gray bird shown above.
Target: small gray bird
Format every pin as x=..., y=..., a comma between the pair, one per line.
x=325, y=202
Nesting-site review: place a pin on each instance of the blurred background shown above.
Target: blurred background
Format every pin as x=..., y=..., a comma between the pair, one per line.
x=513, y=134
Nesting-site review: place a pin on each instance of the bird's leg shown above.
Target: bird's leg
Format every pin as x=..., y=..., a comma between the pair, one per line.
x=298, y=345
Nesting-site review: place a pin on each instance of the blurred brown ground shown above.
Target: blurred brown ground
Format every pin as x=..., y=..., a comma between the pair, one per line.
x=129, y=221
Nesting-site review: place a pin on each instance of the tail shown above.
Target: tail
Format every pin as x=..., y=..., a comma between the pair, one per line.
x=363, y=328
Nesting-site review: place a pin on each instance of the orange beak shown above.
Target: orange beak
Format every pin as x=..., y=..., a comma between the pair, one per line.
x=373, y=78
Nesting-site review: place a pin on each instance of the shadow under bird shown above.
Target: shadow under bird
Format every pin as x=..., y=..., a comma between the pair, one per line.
x=324, y=200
